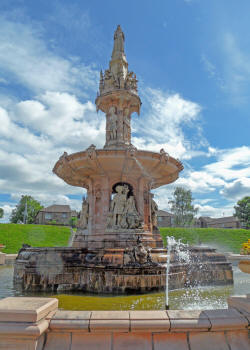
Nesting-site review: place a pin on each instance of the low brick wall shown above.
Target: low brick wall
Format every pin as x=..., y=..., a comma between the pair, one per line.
x=134, y=330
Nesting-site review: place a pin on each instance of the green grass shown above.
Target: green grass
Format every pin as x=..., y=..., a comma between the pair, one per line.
x=223, y=239
x=14, y=235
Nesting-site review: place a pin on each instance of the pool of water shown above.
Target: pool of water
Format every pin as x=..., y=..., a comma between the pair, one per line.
x=199, y=298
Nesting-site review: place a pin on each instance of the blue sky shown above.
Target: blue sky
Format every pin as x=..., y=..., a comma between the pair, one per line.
x=192, y=61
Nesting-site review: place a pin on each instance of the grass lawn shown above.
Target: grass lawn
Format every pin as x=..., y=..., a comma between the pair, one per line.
x=223, y=239
x=14, y=235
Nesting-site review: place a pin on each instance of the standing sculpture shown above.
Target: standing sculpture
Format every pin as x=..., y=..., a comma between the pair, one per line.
x=84, y=216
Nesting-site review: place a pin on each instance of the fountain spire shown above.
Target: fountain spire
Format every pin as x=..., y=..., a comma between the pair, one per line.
x=118, y=97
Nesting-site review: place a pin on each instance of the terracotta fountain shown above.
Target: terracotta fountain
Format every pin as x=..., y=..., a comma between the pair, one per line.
x=117, y=246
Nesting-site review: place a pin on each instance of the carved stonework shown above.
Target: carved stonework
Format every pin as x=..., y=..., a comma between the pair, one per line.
x=84, y=216
x=164, y=156
x=112, y=124
x=123, y=213
x=154, y=209
x=91, y=152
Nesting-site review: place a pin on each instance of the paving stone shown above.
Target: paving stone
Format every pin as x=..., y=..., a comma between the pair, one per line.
x=109, y=321
x=208, y=341
x=91, y=341
x=132, y=341
x=151, y=320
x=174, y=341
x=226, y=319
x=182, y=320
x=58, y=341
x=238, y=340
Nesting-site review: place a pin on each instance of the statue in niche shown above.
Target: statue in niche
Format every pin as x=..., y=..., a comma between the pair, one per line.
x=109, y=81
x=84, y=216
x=118, y=204
x=123, y=213
x=132, y=216
x=112, y=123
x=126, y=125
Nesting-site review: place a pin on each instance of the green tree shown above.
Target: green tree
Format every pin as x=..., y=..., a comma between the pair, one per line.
x=33, y=207
x=73, y=221
x=242, y=211
x=1, y=213
x=182, y=207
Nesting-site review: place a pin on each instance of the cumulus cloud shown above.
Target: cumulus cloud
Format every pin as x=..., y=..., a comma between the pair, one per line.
x=26, y=59
x=162, y=126
x=237, y=189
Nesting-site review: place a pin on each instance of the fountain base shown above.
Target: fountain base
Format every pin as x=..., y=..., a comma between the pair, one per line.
x=116, y=270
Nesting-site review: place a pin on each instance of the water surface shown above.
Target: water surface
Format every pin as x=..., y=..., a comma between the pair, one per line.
x=199, y=298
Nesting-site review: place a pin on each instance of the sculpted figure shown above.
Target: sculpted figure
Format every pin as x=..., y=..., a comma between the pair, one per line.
x=118, y=40
x=112, y=124
x=133, y=219
x=154, y=209
x=118, y=205
x=83, y=221
x=141, y=254
x=126, y=124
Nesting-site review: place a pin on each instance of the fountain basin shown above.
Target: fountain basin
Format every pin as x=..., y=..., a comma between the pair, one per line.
x=112, y=270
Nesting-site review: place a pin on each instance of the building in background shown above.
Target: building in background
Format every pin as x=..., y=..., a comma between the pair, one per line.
x=224, y=222
x=165, y=219
x=56, y=213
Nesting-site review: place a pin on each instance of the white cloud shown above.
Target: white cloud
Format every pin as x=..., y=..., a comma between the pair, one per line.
x=7, y=211
x=26, y=59
x=163, y=123
x=214, y=212
x=237, y=189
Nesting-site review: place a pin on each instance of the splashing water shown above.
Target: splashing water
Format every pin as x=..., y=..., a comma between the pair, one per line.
x=182, y=255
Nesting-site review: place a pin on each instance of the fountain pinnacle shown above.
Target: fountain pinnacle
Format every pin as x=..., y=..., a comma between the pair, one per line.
x=118, y=97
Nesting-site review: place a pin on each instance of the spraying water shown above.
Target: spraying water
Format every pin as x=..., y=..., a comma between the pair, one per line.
x=181, y=254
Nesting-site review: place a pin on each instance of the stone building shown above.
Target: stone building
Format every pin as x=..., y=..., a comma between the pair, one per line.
x=165, y=219
x=224, y=222
x=56, y=212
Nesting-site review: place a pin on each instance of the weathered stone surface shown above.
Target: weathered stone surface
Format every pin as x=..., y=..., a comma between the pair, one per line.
x=238, y=340
x=170, y=341
x=91, y=341
x=58, y=341
x=157, y=321
x=226, y=319
x=190, y=320
x=133, y=341
x=26, y=309
x=208, y=341
x=104, y=321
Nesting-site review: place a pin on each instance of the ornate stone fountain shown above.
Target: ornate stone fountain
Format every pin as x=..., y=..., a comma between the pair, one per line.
x=117, y=246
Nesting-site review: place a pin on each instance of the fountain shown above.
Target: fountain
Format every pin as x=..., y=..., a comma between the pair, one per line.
x=117, y=247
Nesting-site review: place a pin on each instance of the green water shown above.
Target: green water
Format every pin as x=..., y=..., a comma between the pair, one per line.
x=197, y=298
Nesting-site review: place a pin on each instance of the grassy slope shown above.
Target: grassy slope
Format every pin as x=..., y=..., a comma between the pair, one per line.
x=226, y=239
x=13, y=236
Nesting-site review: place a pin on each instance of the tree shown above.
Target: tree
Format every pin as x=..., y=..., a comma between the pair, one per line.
x=242, y=211
x=1, y=213
x=33, y=207
x=182, y=207
x=73, y=221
